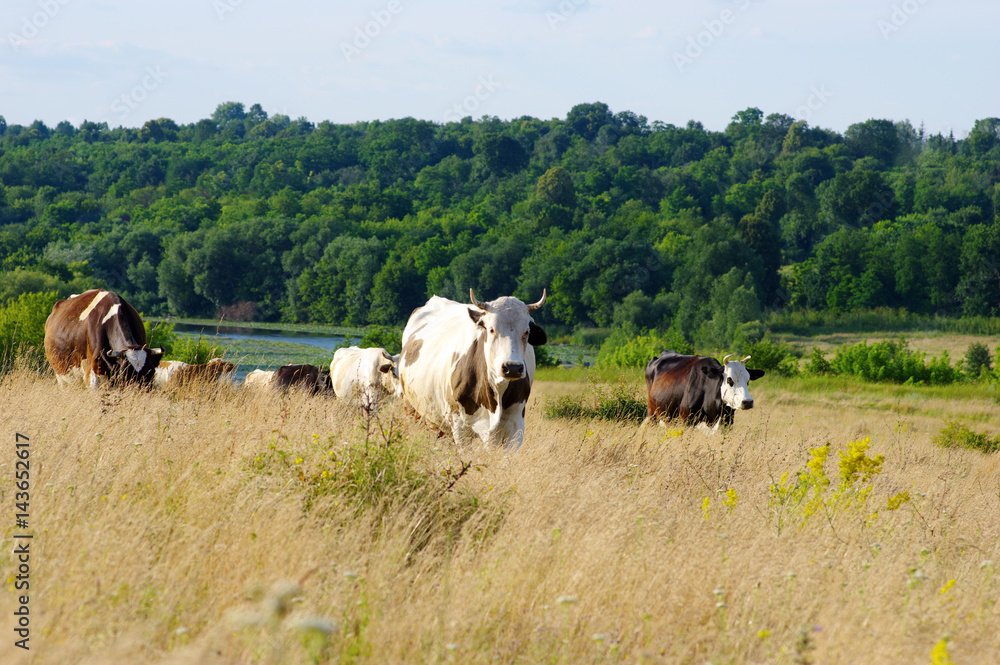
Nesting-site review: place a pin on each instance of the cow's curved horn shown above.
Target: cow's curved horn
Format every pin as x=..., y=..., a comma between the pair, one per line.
x=534, y=306
x=113, y=354
x=745, y=359
x=476, y=302
x=728, y=356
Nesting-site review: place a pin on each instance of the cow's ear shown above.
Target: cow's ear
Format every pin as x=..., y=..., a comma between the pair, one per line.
x=755, y=374
x=477, y=316
x=711, y=371
x=536, y=336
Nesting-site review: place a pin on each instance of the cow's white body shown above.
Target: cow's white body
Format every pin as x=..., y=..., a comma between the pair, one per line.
x=363, y=376
x=259, y=378
x=453, y=365
x=175, y=372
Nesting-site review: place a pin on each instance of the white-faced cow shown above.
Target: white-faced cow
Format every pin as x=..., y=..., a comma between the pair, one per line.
x=468, y=370
x=697, y=389
x=96, y=337
x=175, y=373
x=363, y=376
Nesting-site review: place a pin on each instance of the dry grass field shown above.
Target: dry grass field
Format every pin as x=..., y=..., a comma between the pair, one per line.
x=222, y=526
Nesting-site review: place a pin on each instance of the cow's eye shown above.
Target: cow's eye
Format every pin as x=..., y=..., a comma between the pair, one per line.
x=525, y=335
x=492, y=331
x=730, y=380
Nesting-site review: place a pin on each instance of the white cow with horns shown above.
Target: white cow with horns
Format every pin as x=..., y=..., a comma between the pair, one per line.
x=468, y=370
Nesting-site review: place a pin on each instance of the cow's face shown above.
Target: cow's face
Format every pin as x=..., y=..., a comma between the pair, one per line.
x=133, y=364
x=508, y=328
x=388, y=369
x=736, y=380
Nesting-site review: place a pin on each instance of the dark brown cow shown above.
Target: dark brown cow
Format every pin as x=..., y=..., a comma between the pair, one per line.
x=308, y=377
x=95, y=337
x=698, y=389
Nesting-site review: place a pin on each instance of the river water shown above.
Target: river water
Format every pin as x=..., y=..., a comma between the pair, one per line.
x=262, y=334
x=224, y=334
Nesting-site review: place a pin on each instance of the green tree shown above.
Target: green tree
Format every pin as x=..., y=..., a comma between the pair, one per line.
x=587, y=119
x=500, y=153
x=555, y=186
x=874, y=138
x=979, y=286
x=760, y=233
x=22, y=327
x=338, y=289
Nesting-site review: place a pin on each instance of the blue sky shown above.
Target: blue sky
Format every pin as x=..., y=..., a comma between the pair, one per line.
x=831, y=63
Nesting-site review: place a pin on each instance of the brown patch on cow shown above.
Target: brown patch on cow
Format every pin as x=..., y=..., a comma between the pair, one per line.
x=469, y=384
x=411, y=351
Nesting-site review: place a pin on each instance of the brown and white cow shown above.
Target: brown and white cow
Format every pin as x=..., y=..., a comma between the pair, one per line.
x=171, y=373
x=468, y=370
x=697, y=389
x=96, y=337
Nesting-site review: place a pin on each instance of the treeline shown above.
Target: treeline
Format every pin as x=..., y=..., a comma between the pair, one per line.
x=626, y=222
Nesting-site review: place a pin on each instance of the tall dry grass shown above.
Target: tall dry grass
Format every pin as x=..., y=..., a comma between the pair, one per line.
x=199, y=527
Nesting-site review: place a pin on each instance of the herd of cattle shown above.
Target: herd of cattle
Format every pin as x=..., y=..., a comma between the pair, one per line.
x=464, y=369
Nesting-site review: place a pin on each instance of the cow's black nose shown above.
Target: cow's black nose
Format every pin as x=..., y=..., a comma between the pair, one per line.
x=513, y=370
x=748, y=404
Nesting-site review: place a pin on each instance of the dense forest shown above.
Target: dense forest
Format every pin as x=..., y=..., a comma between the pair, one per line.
x=627, y=223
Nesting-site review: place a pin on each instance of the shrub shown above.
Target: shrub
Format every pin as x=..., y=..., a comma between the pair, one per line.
x=390, y=339
x=161, y=335
x=818, y=364
x=772, y=357
x=22, y=326
x=194, y=350
x=977, y=359
x=545, y=358
x=956, y=435
x=619, y=404
x=623, y=350
x=892, y=361
x=591, y=336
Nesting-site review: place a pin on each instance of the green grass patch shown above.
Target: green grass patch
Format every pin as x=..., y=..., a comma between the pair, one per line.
x=884, y=320
x=956, y=435
x=264, y=354
x=853, y=385
x=618, y=402
x=579, y=374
